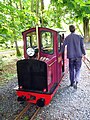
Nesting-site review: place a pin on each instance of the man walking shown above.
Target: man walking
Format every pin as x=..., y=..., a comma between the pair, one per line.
x=75, y=51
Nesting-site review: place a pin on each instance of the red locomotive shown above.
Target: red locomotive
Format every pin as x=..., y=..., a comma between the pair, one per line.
x=40, y=73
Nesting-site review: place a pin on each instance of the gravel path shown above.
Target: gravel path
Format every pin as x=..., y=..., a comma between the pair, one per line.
x=68, y=103
x=9, y=107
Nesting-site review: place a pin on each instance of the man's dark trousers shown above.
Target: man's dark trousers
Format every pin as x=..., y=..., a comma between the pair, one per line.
x=74, y=69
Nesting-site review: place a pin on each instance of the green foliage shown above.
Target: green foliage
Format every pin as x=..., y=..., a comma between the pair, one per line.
x=26, y=118
x=14, y=20
x=18, y=15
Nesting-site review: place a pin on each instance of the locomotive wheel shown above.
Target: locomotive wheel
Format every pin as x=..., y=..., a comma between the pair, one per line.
x=22, y=98
x=41, y=102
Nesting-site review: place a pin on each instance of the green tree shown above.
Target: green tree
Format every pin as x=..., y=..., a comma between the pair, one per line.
x=19, y=15
x=15, y=18
x=77, y=11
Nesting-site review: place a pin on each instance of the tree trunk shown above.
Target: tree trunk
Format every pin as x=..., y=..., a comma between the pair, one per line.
x=32, y=4
x=37, y=7
x=16, y=45
x=42, y=8
x=42, y=5
x=17, y=49
x=20, y=4
x=79, y=29
x=86, y=29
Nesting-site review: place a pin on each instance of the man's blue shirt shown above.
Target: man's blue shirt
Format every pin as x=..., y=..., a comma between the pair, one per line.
x=75, y=46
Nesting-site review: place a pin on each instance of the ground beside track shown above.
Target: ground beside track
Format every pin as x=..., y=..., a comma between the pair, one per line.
x=67, y=104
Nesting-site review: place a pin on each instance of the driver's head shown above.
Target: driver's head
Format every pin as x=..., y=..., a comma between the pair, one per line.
x=72, y=28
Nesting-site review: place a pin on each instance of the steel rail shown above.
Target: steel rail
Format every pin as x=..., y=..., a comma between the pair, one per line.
x=34, y=115
x=28, y=106
x=87, y=59
x=86, y=63
x=22, y=112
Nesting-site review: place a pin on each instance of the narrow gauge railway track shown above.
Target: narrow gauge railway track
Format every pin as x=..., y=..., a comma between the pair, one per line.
x=87, y=63
x=21, y=114
x=32, y=118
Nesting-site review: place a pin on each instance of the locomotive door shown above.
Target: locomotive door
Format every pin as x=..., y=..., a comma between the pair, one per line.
x=59, y=64
x=48, y=46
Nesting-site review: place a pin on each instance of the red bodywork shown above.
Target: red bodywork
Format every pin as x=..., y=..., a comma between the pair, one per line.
x=52, y=60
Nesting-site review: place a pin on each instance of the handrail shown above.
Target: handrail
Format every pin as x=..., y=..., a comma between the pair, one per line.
x=51, y=63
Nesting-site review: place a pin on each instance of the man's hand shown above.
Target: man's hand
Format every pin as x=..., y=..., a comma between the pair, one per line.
x=84, y=57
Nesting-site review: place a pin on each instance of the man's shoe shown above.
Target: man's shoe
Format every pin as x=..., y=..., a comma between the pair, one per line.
x=75, y=85
x=76, y=82
x=71, y=85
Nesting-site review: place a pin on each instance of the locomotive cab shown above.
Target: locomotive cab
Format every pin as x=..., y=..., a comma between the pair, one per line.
x=40, y=73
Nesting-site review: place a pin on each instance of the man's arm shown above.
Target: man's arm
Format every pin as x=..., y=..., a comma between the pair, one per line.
x=82, y=46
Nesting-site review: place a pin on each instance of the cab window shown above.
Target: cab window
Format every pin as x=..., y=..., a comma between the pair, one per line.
x=47, y=42
x=31, y=40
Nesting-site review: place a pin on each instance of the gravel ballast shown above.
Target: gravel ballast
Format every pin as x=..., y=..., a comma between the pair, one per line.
x=9, y=107
x=67, y=104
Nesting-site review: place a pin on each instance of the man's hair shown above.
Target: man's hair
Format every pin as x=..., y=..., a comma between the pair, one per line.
x=72, y=28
